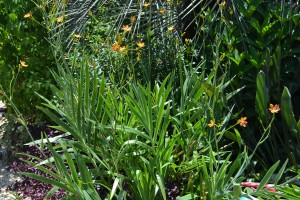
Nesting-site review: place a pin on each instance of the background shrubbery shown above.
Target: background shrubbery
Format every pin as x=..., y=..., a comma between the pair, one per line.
x=259, y=47
x=23, y=38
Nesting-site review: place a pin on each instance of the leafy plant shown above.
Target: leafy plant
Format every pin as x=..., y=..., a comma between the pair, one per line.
x=254, y=50
x=129, y=136
x=156, y=106
x=24, y=56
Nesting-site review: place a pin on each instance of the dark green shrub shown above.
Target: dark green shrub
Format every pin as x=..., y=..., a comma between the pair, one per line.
x=25, y=56
x=263, y=36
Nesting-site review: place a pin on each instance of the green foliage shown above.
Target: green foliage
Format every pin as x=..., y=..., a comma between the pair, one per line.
x=287, y=111
x=146, y=108
x=253, y=43
x=260, y=43
x=135, y=135
x=262, y=97
x=288, y=122
x=148, y=63
x=289, y=192
x=119, y=137
x=263, y=192
x=23, y=39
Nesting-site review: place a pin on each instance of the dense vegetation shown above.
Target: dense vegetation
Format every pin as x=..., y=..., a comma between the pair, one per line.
x=158, y=100
x=25, y=56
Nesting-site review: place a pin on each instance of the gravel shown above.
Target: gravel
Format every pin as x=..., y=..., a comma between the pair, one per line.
x=7, y=178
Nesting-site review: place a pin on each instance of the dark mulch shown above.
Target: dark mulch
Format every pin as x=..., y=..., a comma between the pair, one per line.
x=30, y=187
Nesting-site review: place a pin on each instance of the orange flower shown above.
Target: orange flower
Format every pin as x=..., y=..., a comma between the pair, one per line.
x=242, y=121
x=162, y=11
x=123, y=48
x=212, y=123
x=170, y=28
x=146, y=4
x=132, y=19
x=126, y=28
x=27, y=15
x=23, y=64
x=115, y=47
x=222, y=4
x=60, y=19
x=77, y=36
x=140, y=44
x=274, y=108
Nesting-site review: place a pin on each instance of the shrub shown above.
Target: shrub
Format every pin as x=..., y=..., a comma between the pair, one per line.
x=25, y=56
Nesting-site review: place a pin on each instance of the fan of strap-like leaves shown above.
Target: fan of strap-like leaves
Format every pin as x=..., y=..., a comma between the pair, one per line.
x=184, y=16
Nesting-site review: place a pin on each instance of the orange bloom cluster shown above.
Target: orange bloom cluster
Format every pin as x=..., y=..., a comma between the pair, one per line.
x=170, y=28
x=243, y=121
x=27, y=15
x=126, y=28
x=274, y=108
x=117, y=47
x=162, y=11
x=212, y=123
x=22, y=64
x=60, y=19
x=222, y=4
x=140, y=44
x=132, y=19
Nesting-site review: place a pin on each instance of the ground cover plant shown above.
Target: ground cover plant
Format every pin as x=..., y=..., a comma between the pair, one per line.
x=168, y=99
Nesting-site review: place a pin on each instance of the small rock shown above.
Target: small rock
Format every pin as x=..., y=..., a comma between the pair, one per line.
x=3, y=107
x=7, y=195
x=6, y=178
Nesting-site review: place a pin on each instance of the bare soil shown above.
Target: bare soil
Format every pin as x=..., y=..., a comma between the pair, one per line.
x=7, y=178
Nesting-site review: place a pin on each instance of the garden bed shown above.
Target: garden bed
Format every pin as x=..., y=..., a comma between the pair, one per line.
x=13, y=185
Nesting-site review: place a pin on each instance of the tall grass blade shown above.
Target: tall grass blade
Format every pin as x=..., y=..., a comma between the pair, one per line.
x=268, y=175
x=280, y=172
x=262, y=96
x=287, y=111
